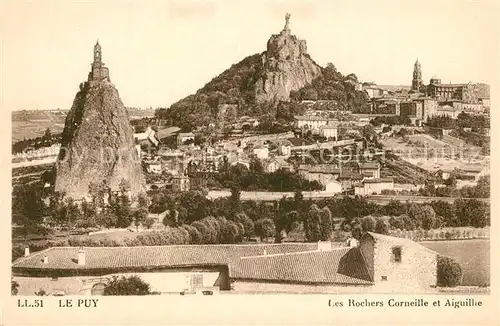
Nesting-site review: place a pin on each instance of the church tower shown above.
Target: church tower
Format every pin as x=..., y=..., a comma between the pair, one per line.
x=97, y=54
x=417, y=77
x=99, y=72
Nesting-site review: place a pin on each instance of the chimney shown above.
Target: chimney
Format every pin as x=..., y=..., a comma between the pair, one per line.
x=45, y=259
x=81, y=257
x=26, y=251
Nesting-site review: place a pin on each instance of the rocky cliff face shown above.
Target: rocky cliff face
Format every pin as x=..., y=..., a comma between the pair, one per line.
x=97, y=144
x=286, y=67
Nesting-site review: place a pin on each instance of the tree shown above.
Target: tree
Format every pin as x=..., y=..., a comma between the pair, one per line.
x=73, y=212
x=142, y=201
x=326, y=226
x=368, y=224
x=356, y=230
x=28, y=205
x=247, y=222
x=428, y=221
x=449, y=272
x=312, y=224
x=140, y=216
x=47, y=134
x=121, y=207
x=265, y=228
x=14, y=287
x=445, y=210
x=148, y=222
x=395, y=208
x=235, y=201
x=106, y=219
x=382, y=226
x=132, y=285
x=471, y=212
x=420, y=213
x=396, y=223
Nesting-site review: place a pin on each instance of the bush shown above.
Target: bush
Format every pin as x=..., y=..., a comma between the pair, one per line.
x=132, y=285
x=449, y=272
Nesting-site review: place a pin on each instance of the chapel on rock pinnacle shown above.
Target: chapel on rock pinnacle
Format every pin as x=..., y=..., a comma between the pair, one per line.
x=98, y=72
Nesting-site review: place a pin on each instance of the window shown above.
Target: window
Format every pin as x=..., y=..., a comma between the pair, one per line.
x=384, y=278
x=396, y=254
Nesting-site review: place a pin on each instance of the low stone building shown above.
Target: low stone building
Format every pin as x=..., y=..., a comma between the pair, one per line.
x=377, y=264
x=398, y=264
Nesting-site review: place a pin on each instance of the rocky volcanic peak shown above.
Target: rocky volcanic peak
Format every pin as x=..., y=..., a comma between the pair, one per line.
x=97, y=143
x=286, y=67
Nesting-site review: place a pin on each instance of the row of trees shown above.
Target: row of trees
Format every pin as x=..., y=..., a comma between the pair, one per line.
x=391, y=120
x=480, y=190
x=47, y=140
x=33, y=205
x=255, y=178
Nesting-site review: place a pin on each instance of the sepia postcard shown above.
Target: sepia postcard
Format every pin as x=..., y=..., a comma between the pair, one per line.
x=249, y=163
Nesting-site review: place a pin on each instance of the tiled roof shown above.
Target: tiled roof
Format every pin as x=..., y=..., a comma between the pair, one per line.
x=324, y=168
x=151, y=256
x=369, y=165
x=379, y=180
x=343, y=265
x=350, y=176
x=299, y=263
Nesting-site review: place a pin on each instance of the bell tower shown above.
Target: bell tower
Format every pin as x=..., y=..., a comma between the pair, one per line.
x=417, y=77
x=97, y=53
x=99, y=72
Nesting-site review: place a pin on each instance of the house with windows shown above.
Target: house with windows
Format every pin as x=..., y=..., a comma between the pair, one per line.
x=373, y=186
x=370, y=169
x=374, y=264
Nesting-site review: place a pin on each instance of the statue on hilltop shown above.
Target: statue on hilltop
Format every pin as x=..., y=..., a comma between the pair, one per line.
x=287, y=23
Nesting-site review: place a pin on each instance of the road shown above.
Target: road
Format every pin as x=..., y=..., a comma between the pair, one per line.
x=381, y=199
x=317, y=195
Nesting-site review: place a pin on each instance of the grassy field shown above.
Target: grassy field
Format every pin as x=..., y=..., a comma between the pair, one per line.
x=473, y=256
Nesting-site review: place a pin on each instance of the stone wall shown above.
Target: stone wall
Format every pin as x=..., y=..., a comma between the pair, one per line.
x=416, y=271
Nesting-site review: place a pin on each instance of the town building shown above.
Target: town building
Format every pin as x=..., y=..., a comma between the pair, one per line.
x=329, y=131
x=148, y=137
x=447, y=110
x=373, y=186
x=370, y=169
x=180, y=183
x=375, y=264
x=312, y=123
x=322, y=173
x=273, y=164
x=333, y=187
x=183, y=137
x=261, y=152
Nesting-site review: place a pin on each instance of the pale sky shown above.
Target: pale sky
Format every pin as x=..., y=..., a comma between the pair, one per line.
x=160, y=51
